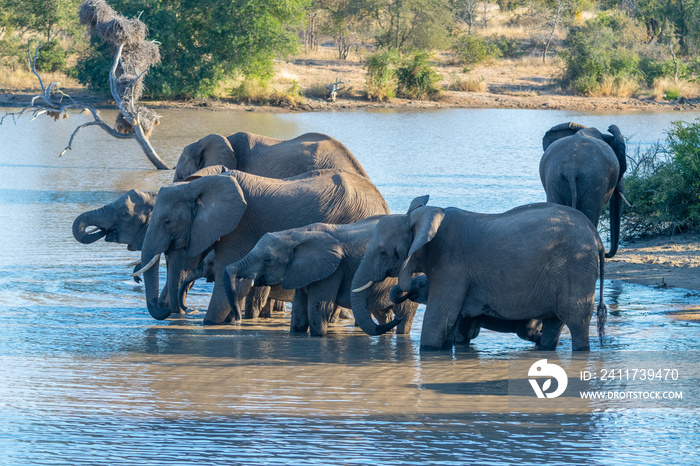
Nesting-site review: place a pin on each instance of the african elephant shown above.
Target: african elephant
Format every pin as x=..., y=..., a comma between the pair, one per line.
x=205, y=270
x=468, y=328
x=265, y=156
x=231, y=212
x=537, y=261
x=318, y=261
x=583, y=168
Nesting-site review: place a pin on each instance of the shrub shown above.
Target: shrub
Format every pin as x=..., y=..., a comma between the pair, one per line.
x=604, y=46
x=653, y=69
x=381, y=74
x=507, y=48
x=418, y=79
x=471, y=49
x=663, y=184
x=52, y=57
x=468, y=84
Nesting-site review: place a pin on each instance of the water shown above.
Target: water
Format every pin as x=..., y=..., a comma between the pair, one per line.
x=87, y=377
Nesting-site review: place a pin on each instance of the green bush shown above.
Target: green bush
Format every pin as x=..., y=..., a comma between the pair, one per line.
x=417, y=78
x=52, y=57
x=604, y=46
x=653, y=69
x=381, y=75
x=507, y=48
x=472, y=49
x=663, y=185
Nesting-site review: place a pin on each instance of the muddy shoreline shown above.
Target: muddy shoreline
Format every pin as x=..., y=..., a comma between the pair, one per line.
x=450, y=99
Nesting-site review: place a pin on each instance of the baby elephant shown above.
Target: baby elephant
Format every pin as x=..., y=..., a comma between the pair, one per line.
x=318, y=262
x=468, y=328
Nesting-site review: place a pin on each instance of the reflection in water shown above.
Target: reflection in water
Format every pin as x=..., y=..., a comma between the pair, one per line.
x=87, y=377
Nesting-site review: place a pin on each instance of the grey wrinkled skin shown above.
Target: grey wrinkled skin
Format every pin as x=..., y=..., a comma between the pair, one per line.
x=537, y=261
x=269, y=157
x=583, y=168
x=265, y=156
x=230, y=212
x=468, y=328
x=318, y=262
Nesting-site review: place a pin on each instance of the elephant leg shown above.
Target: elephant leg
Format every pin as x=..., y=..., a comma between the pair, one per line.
x=382, y=315
x=266, y=309
x=320, y=314
x=344, y=313
x=279, y=307
x=580, y=328
x=551, y=328
x=163, y=298
x=219, y=309
x=256, y=301
x=441, y=314
x=300, y=316
x=466, y=329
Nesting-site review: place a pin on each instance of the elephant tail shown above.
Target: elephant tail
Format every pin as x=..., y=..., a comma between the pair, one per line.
x=571, y=179
x=602, y=311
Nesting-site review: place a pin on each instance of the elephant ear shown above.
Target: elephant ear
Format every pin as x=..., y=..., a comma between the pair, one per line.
x=316, y=255
x=418, y=202
x=560, y=131
x=424, y=223
x=208, y=171
x=617, y=141
x=219, y=204
x=211, y=150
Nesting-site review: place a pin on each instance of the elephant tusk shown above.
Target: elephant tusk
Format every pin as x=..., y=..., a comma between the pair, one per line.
x=363, y=287
x=148, y=266
x=131, y=264
x=93, y=231
x=622, y=196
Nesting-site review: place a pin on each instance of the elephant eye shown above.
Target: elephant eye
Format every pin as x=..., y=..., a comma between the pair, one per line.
x=382, y=254
x=166, y=222
x=267, y=260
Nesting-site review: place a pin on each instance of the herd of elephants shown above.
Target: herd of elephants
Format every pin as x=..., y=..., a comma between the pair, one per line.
x=273, y=221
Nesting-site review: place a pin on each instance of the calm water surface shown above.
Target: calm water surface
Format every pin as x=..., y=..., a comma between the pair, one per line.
x=87, y=377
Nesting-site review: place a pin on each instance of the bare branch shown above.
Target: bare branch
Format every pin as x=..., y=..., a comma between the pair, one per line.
x=102, y=125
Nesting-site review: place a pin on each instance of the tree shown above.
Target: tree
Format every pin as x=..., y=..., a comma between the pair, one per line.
x=133, y=55
x=465, y=10
x=413, y=24
x=551, y=15
x=47, y=18
x=205, y=41
x=348, y=21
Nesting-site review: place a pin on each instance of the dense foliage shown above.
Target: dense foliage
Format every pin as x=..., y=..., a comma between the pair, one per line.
x=663, y=184
x=202, y=42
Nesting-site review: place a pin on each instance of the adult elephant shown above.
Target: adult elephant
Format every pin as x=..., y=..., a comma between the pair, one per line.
x=468, y=328
x=318, y=261
x=231, y=212
x=265, y=156
x=538, y=261
x=583, y=168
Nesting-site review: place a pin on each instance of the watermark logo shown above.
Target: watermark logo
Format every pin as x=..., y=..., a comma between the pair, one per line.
x=541, y=369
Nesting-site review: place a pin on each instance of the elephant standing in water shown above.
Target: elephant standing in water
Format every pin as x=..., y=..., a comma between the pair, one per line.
x=468, y=328
x=231, y=212
x=265, y=156
x=583, y=168
x=538, y=261
x=318, y=262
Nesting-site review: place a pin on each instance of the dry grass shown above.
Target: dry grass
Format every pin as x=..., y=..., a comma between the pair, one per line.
x=617, y=87
x=467, y=83
x=668, y=89
x=21, y=78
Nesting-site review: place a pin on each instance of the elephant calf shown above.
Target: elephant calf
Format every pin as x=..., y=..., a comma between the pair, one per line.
x=468, y=328
x=318, y=262
x=537, y=261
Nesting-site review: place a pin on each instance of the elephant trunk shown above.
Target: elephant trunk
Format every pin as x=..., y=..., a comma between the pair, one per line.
x=360, y=304
x=150, y=281
x=186, y=285
x=395, y=295
x=615, y=219
x=230, y=277
x=91, y=218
